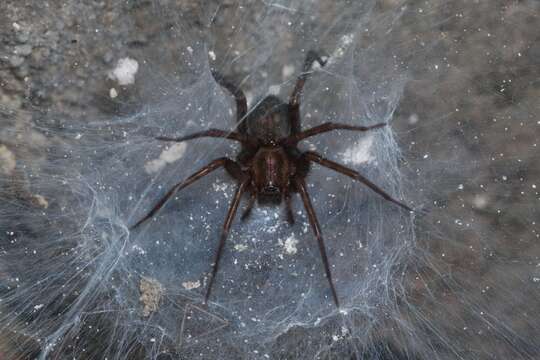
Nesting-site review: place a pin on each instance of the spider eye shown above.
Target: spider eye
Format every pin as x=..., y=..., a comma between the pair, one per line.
x=271, y=190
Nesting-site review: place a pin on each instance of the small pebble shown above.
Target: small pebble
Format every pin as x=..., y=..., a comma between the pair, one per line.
x=113, y=93
x=23, y=50
x=7, y=161
x=108, y=57
x=40, y=201
x=16, y=61
x=22, y=36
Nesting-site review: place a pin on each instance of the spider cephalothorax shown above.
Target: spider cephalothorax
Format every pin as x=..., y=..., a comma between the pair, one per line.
x=270, y=167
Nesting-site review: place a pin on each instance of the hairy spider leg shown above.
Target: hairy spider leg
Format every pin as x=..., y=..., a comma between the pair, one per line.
x=326, y=127
x=213, y=133
x=239, y=97
x=288, y=208
x=294, y=100
x=231, y=166
x=249, y=207
x=224, y=234
x=301, y=185
x=313, y=156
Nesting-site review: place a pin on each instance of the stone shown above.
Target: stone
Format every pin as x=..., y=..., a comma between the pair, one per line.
x=16, y=61
x=23, y=50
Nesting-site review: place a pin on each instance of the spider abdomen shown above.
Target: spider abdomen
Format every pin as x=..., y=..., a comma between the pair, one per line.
x=269, y=121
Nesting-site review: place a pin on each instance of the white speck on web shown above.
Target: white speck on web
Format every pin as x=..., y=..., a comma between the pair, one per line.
x=188, y=285
x=167, y=156
x=124, y=72
x=344, y=43
x=274, y=89
x=290, y=245
x=240, y=247
x=212, y=55
x=139, y=249
x=360, y=152
x=220, y=187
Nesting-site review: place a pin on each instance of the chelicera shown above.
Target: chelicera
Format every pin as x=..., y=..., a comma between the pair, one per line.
x=270, y=168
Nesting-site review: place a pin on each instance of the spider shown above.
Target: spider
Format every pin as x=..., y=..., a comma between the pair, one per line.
x=270, y=167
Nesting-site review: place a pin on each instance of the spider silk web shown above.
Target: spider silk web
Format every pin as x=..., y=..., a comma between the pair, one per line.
x=79, y=165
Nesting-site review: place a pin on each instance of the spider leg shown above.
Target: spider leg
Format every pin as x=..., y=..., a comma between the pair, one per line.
x=301, y=185
x=288, y=209
x=213, y=133
x=215, y=164
x=224, y=234
x=313, y=156
x=249, y=206
x=326, y=127
x=294, y=100
x=240, y=98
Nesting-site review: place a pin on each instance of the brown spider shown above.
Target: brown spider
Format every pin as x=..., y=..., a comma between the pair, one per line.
x=269, y=166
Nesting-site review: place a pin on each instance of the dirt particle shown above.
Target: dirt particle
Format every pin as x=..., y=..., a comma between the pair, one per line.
x=188, y=285
x=16, y=61
x=40, y=201
x=23, y=50
x=124, y=72
x=7, y=161
x=167, y=156
x=151, y=293
x=290, y=245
